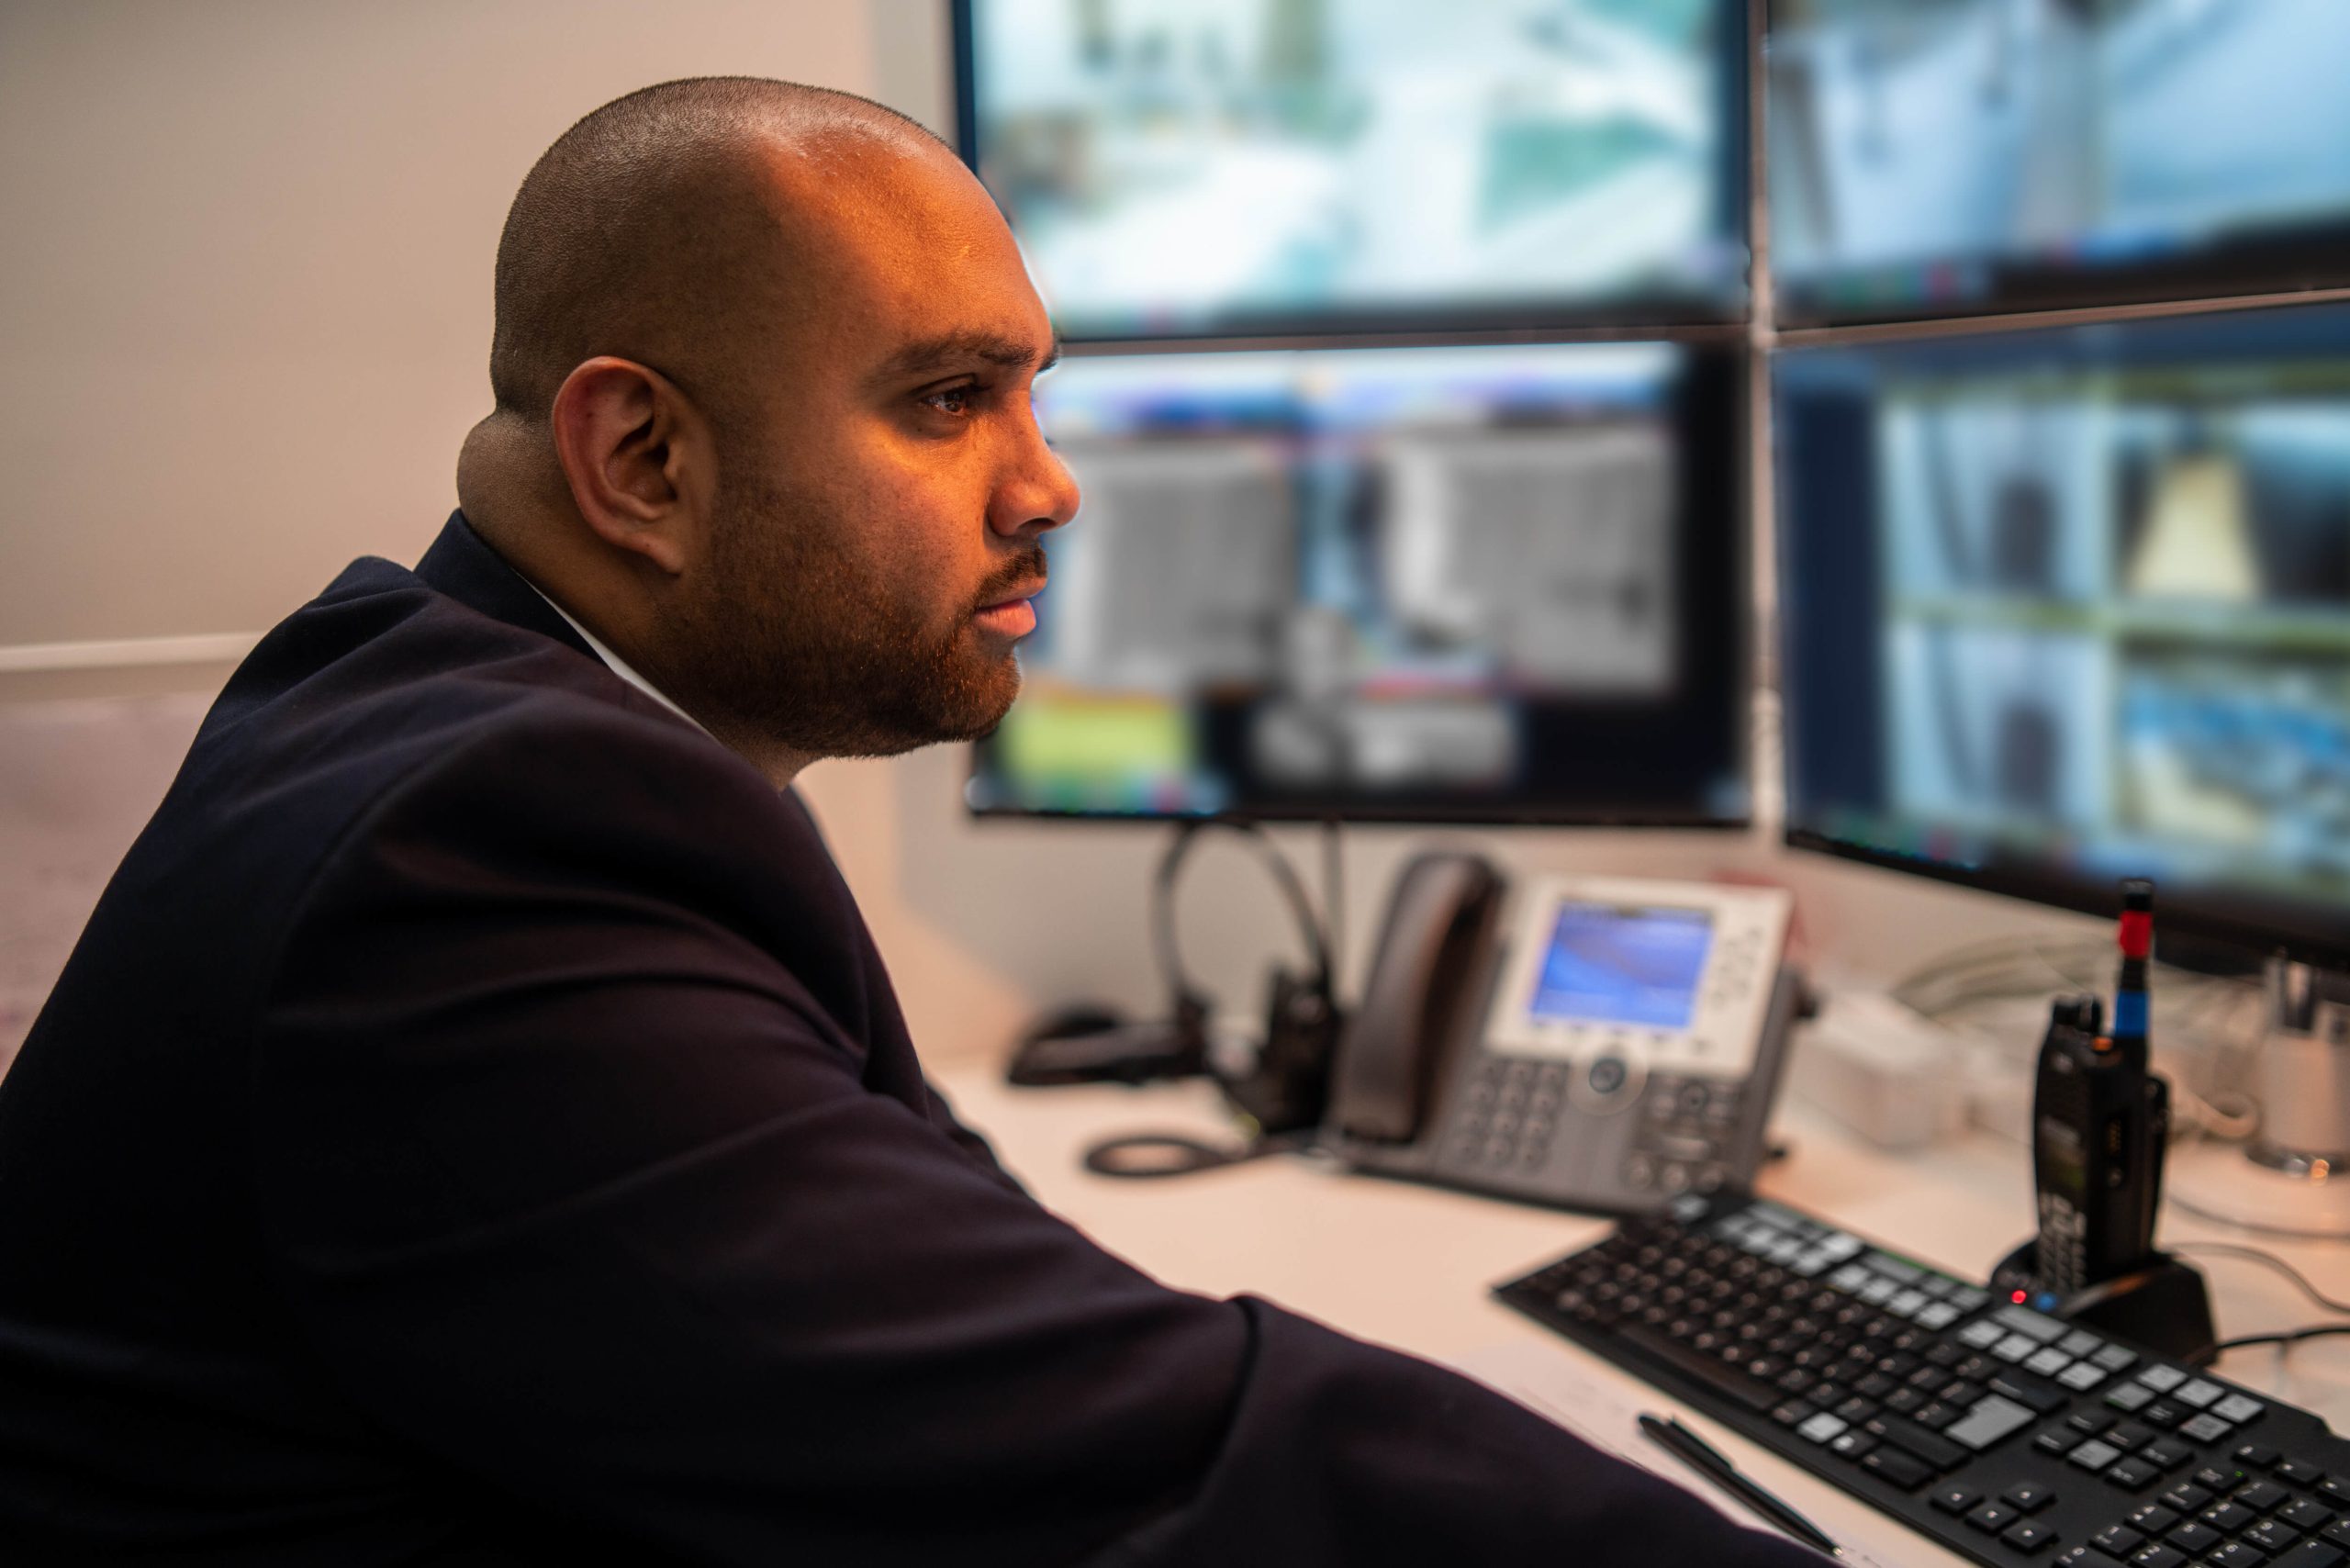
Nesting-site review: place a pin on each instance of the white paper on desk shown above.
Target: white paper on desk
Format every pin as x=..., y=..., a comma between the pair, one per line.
x=1552, y=1385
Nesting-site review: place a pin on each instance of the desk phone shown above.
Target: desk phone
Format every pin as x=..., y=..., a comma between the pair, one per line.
x=1619, y=1046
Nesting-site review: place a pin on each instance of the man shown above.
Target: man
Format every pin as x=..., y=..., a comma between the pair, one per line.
x=476, y=1126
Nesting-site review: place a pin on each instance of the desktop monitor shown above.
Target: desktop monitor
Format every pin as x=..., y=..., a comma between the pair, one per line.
x=1937, y=157
x=1472, y=584
x=1272, y=167
x=2062, y=607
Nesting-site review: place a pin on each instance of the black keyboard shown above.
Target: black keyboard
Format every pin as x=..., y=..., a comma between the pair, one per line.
x=2010, y=1437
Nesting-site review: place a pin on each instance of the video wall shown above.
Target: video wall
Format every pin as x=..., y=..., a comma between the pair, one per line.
x=1406, y=394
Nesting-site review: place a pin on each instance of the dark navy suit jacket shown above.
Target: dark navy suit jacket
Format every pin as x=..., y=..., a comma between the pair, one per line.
x=477, y=1127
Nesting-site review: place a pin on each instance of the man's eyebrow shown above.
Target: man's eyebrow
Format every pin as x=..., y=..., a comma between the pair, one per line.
x=945, y=351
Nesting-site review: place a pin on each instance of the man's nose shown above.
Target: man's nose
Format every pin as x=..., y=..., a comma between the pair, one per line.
x=1040, y=494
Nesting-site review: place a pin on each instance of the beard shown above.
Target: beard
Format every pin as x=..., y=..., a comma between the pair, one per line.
x=801, y=642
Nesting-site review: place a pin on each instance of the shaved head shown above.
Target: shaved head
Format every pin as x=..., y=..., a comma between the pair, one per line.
x=651, y=228
x=761, y=366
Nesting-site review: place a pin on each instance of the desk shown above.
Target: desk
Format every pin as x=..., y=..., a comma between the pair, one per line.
x=1408, y=1266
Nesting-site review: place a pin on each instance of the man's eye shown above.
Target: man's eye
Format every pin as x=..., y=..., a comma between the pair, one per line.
x=955, y=400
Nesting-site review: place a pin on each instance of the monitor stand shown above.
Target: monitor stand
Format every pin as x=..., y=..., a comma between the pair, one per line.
x=2293, y=1177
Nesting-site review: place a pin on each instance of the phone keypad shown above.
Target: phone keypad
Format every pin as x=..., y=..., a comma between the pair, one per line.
x=1509, y=1113
x=1685, y=1122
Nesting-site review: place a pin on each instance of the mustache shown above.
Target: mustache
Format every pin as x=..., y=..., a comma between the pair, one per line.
x=1027, y=567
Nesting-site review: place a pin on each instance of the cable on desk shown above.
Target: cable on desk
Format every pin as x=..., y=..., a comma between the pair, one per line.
x=2253, y=1254
x=2285, y=1340
x=1142, y=1157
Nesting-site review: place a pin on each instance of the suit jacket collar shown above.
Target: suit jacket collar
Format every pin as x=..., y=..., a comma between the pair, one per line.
x=461, y=565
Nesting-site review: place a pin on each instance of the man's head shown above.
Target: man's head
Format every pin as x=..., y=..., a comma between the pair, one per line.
x=762, y=364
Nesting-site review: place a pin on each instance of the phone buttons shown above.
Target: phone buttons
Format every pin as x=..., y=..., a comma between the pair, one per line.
x=1609, y=1084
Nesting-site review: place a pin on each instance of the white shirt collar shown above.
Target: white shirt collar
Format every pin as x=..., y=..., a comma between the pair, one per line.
x=619, y=665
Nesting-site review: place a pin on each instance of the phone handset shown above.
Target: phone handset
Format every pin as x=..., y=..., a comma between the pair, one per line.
x=1422, y=975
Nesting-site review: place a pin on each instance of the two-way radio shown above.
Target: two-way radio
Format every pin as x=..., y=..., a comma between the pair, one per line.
x=2101, y=1120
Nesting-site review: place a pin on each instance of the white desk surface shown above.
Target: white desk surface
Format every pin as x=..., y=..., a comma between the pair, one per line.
x=1409, y=1265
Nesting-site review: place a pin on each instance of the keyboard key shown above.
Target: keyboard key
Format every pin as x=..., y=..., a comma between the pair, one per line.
x=2029, y=1536
x=2028, y=1496
x=2119, y=1539
x=2198, y=1392
x=2038, y=1327
x=2056, y=1442
x=2194, y=1537
x=2086, y=1557
x=2162, y=1414
x=1821, y=1427
x=2041, y=1398
x=2088, y=1423
x=2130, y=1397
x=1890, y=1465
x=2113, y=1358
x=2271, y=1537
x=2165, y=1456
x=1851, y=1445
x=1992, y=1518
x=2230, y=1517
x=2158, y=1556
x=2185, y=1497
x=1981, y=1334
x=2162, y=1379
x=2093, y=1455
x=2235, y=1555
x=2014, y=1347
x=2237, y=1407
x=2132, y=1475
x=2129, y=1435
x=2047, y=1363
x=2079, y=1342
x=2313, y=1554
x=2262, y=1496
x=2302, y=1513
x=2204, y=1428
x=1929, y=1447
x=2299, y=1471
x=2256, y=1456
x=2153, y=1519
x=2081, y=1376
x=1955, y=1499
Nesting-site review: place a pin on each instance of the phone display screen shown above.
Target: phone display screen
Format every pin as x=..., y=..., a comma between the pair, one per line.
x=1609, y=964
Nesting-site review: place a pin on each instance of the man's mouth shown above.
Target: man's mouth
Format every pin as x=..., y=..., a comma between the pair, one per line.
x=1010, y=613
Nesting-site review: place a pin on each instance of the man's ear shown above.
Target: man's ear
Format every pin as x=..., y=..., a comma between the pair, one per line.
x=637, y=457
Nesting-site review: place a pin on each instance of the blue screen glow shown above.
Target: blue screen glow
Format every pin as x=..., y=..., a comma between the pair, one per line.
x=1610, y=965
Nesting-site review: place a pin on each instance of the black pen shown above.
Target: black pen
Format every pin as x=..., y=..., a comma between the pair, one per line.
x=1710, y=1462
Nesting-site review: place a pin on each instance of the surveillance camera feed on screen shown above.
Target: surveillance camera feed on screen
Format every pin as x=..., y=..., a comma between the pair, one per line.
x=1200, y=167
x=1936, y=154
x=2068, y=606
x=1422, y=583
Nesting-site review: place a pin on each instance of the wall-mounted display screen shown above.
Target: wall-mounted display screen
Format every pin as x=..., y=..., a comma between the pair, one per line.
x=2068, y=606
x=1938, y=156
x=1492, y=583
x=1215, y=167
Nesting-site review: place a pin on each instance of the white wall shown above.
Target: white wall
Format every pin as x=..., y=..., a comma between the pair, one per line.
x=245, y=309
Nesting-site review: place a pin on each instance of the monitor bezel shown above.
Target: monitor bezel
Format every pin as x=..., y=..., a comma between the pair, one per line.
x=1644, y=312
x=1721, y=514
